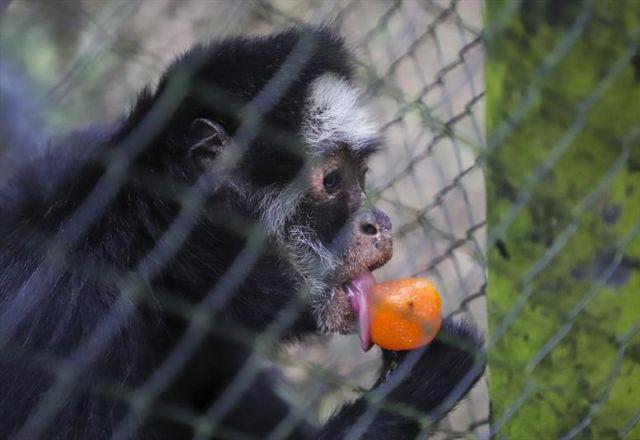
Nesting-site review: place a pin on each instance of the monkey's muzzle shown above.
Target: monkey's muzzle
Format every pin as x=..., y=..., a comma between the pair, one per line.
x=374, y=247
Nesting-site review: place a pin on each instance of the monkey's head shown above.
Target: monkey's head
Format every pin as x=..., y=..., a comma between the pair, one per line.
x=329, y=234
x=333, y=237
x=281, y=119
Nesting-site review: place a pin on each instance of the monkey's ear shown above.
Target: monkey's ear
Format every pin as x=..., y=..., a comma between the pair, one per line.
x=206, y=139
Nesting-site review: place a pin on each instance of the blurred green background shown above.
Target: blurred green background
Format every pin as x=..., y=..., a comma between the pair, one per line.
x=563, y=195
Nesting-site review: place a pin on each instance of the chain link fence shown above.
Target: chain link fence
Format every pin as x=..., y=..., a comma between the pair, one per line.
x=562, y=166
x=561, y=157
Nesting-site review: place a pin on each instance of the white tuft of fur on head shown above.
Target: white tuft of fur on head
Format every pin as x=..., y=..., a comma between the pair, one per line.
x=334, y=115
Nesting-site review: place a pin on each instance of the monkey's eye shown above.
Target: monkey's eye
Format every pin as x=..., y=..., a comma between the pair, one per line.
x=332, y=181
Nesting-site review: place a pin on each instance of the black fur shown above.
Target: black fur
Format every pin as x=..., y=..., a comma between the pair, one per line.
x=426, y=383
x=64, y=265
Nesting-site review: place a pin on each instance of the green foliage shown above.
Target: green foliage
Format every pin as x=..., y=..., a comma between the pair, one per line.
x=582, y=105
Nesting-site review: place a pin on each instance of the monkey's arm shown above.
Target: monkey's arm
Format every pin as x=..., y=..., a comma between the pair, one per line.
x=427, y=381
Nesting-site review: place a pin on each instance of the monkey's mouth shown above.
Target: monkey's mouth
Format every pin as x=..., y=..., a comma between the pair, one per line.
x=358, y=291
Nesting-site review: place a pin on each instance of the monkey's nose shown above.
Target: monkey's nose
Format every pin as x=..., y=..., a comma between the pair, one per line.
x=374, y=222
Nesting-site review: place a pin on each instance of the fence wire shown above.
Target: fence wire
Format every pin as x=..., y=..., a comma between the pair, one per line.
x=421, y=65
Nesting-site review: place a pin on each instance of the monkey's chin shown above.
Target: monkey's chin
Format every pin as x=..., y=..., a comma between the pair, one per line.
x=345, y=308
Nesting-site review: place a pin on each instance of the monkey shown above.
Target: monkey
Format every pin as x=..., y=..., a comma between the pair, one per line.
x=145, y=263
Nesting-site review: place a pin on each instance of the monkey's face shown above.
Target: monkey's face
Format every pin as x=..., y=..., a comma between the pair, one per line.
x=351, y=240
x=333, y=239
x=318, y=219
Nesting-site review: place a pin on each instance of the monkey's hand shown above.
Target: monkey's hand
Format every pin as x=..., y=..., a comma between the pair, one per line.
x=415, y=388
x=434, y=378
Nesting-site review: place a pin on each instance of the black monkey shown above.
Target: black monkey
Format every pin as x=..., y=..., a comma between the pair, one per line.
x=140, y=262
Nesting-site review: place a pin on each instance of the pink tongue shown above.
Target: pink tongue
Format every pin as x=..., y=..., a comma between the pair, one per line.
x=359, y=290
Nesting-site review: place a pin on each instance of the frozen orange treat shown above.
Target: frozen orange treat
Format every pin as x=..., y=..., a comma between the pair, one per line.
x=396, y=315
x=405, y=313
